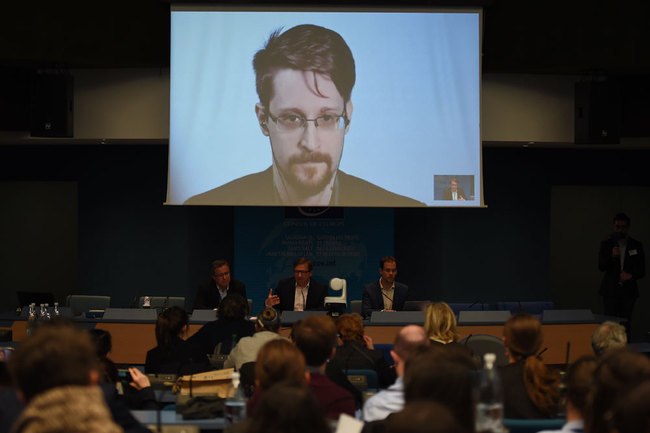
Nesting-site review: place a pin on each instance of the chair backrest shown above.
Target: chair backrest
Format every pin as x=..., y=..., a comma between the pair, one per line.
x=481, y=344
x=163, y=301
x=533, y=425
x=385, y=350
x=483, y=317
x=250, y=306
x=355, y=307
x=80, y=304
x=457, y=307
x=363, y=379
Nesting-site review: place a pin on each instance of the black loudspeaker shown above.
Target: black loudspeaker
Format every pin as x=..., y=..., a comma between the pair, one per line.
x=51, y=105
x=597, y=112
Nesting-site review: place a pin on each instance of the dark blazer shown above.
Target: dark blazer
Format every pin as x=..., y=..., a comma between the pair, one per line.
x=351, y=355
x=447, y=194
x=224, y=331
x=374, y=301
x=207, y=296
x=286, y=290
x=634, y=264
x=176, y=358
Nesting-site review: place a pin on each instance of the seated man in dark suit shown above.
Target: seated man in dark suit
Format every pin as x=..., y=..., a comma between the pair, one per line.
x=300, y=292
x=211, y=292
x=386, y=294
x=454, y=192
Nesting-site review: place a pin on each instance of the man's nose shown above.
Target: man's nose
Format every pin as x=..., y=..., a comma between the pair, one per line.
x=309, y=137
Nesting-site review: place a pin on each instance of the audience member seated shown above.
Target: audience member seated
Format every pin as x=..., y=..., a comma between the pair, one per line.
x=531, y=389
x=172, y=354
x=288, y=408
x=431, y=374
x=277, y=361
x=578, y=379
x=423, y=417
x=356, y=350
x=230, y=326
x=608, y=335
x=391, y=400
x=440, y=326
x=55, y=370
x=631, y=414
x=103, y=346
x=617, y=372
x=266, y=327
x=315, y=336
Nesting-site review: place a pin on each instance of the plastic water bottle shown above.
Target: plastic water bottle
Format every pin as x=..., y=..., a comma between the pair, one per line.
x=31, y=318
x=488, y=395
x=235, y=407
x=57, y=312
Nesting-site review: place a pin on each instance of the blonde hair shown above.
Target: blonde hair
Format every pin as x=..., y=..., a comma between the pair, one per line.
x=440, y=323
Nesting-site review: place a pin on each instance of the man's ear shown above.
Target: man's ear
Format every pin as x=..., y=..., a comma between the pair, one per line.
x=348, y=111
x=260, y=112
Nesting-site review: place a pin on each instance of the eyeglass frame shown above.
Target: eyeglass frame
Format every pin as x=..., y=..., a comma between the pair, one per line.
x=343, y=115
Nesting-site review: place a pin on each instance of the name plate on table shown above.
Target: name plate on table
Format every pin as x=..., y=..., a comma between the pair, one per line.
x=483, y=317
x=398, y=317
x=291, y=317
x=568, y=316
x=130, y=314
x=203, y=316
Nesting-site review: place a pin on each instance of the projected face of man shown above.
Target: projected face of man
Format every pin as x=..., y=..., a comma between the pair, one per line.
x=305, y=160
x=454, y=185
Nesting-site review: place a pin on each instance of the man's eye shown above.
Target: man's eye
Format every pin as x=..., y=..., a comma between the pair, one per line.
x=290, y=118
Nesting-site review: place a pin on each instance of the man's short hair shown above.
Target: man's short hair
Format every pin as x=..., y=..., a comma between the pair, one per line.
x=279, y=361
x=219, y=263
x=408, y=339
x=233, y=307
x=608, y=335
x=621, y=217
x=387, y=259
x=315, y=336
x=304, y=48
x=303, y=261
x=578, y=381
x=51, y=357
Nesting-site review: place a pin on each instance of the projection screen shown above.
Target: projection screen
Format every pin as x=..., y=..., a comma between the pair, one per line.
x=357, y=108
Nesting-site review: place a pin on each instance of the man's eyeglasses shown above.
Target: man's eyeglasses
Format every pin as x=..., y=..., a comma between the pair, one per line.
x=301, y=272
x=294, y=122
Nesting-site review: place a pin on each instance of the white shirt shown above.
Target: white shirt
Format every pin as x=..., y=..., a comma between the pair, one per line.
x=576, y=426
x=385, y=402
x=388, y=295
x=300, y=298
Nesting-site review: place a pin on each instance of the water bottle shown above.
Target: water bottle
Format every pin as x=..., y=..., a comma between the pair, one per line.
x=235, y=407
x=488, y=395
x=48, y=316
x=31, y=318
x=57, y=312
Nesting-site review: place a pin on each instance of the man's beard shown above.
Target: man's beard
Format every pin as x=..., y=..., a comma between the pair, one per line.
x=308, y=181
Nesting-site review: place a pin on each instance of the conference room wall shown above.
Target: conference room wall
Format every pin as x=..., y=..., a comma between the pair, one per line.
x=131, y=245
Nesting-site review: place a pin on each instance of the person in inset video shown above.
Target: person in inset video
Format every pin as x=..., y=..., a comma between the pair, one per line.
x=304, y=80
x=454, y=192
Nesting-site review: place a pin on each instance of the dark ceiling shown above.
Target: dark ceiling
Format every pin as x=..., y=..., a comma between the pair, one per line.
x=520, y=36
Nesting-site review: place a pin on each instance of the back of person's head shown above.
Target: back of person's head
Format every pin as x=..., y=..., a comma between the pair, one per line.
x=617, y=370
x=423, y=417
x=431, y=376
x=315, y=336
x=608, y=335
x=233, y=307
x=440, y=323
x=279, y=361
x=170, y=324
x=578, y=381
x=631, y=413
x=268, y=320
x=51, y=357
x=103, y=342
x=523, y=339
x=350, y=328
x=408, y=339
x=288, y=408
x=305, y=48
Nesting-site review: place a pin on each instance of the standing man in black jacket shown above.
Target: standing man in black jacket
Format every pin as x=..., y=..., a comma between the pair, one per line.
x=622, y=260
x=221, y=284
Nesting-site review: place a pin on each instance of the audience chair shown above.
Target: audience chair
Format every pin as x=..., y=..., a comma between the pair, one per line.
x=532, y=425
x=457, y=307
x=530, y=307
x=355, y=307
x=80, y=304
x=250, y=306
x=385, y=350
x=363, y=379
x=481, y=344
